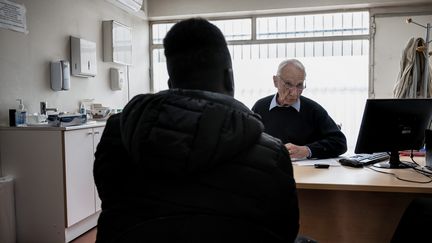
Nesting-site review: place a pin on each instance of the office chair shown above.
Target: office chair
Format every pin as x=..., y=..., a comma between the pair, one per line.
x=415, y=223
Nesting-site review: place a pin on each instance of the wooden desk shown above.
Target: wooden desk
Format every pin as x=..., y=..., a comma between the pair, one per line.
x=344, y=204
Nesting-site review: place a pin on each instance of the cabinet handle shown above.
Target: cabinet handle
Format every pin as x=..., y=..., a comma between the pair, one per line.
x=89, y=133
x=96, y=132
x=88, y=64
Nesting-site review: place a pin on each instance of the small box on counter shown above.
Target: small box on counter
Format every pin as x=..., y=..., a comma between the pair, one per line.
x=66, y=120
x=12, y=122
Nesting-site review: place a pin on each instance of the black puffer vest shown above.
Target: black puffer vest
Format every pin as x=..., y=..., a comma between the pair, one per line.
x=181, y=152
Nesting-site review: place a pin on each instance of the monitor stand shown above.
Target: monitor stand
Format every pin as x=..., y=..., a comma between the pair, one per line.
x=394, y=162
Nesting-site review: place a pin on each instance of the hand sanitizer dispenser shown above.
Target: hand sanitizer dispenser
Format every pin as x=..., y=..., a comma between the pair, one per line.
x=21, y=114
x=117, y=77
x=60, y=78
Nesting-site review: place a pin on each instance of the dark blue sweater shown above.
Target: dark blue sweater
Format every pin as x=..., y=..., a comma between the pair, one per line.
x=311, y=126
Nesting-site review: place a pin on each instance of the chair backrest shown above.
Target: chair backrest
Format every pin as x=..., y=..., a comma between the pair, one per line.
x=414, y=226
x=198, y=228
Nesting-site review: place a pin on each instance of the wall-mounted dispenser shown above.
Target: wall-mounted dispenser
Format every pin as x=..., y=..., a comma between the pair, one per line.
x=117, y=77
x=60, y=75
x=117, y=42
x=83, y=57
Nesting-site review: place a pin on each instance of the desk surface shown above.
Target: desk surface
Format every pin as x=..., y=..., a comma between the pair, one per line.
x=361, y=179
x=355, y=205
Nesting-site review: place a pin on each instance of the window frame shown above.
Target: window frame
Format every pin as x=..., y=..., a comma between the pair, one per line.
x=254, y=40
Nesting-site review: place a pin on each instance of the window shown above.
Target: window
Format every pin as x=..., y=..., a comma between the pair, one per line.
x=334, y=47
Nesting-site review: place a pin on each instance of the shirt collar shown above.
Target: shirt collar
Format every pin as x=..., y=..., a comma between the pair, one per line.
x=274, y=104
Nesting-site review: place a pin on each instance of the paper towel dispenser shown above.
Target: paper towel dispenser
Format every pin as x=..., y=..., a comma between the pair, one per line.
x=83, y=57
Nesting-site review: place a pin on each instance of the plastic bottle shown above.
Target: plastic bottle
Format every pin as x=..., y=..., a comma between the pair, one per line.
x=82, y=109
x=20, y=114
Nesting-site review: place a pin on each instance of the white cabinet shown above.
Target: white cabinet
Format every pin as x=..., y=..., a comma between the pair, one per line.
x=81, y=195
x=83, y=57
x=97, y=134
x=55, y=195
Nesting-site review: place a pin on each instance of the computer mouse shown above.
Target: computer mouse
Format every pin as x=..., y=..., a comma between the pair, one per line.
x=351, y=163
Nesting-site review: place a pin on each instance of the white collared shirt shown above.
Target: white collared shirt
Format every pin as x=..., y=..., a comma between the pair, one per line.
x=274, y=104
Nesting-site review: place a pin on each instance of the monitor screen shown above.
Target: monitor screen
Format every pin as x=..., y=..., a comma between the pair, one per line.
x=392, y=125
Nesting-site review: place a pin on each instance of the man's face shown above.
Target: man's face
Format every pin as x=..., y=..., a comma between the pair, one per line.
x=290, y=84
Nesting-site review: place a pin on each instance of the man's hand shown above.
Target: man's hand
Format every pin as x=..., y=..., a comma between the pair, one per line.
x=296, y=151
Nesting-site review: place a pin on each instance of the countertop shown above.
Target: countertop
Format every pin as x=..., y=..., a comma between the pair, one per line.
x=88, y=124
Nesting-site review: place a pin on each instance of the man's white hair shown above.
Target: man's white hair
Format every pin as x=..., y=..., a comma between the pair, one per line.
x=294, y=62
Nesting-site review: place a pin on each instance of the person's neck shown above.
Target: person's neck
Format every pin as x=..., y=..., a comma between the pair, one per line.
x=282, y=104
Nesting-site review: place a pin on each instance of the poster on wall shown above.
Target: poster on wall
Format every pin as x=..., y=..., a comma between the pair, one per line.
x=13, y=16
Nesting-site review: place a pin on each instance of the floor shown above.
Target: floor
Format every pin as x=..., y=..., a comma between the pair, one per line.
x=88, y=237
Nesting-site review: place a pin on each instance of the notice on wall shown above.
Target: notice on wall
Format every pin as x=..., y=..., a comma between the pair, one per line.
x=13, y=16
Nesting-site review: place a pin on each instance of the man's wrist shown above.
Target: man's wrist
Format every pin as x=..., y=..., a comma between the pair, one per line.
x=309, y=152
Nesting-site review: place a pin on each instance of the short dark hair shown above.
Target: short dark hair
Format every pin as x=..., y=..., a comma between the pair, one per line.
x=194, y=47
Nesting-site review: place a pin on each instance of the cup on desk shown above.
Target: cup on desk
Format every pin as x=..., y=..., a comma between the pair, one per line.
x=428, y=145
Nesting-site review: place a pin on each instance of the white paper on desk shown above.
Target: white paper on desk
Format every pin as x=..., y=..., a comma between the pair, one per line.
x=304, y=162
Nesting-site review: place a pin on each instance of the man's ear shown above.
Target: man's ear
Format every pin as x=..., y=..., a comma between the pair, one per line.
x=275, y=81
x=229, y=81
x=169, y=83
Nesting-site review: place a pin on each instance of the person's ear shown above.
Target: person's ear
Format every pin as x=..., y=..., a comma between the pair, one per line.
x=169, y=83
x=229, y=81
x=275, y=81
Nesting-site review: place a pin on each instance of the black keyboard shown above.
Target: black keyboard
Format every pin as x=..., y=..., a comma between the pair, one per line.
x=360, y=160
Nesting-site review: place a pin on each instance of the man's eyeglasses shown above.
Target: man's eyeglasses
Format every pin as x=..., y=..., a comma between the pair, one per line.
x=289, y=86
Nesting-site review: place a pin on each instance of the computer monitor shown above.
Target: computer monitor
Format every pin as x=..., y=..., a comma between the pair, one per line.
x=392, y=125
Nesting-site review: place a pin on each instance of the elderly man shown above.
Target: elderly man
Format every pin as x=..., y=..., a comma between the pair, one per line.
x=302, y=124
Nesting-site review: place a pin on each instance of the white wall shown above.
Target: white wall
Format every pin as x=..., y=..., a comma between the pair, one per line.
x=171, y=8
x=24, y=58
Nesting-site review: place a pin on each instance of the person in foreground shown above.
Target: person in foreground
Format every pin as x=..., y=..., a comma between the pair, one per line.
x=191, y=163
x=302, y=124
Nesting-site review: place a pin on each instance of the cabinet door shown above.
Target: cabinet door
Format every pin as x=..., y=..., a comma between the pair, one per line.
x=97, y=134
x=80, y=190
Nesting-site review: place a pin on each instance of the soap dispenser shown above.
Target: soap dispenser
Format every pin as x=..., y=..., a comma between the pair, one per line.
x=21, y=114
x=82, y=109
